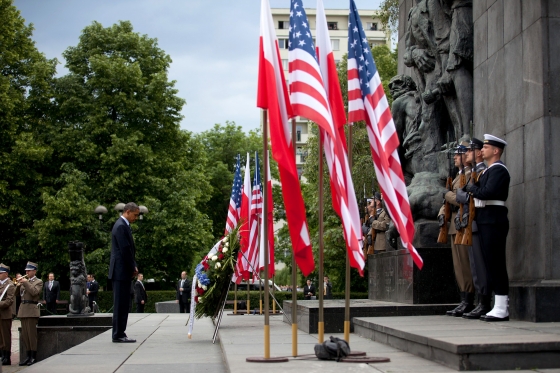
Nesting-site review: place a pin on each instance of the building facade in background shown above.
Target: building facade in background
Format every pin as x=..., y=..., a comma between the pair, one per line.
x=337, y=20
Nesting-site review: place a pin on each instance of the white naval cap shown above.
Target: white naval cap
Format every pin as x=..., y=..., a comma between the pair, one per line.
x=494, y=141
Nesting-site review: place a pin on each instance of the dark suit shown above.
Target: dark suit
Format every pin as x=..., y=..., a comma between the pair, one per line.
x=51, y=295
x=307, y=290
x=93, y=287
x=184, y=296
x=139, y=296
x=121, y=269
x=493, y=225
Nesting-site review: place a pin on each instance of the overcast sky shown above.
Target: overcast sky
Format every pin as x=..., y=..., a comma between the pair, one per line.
x=213, y=45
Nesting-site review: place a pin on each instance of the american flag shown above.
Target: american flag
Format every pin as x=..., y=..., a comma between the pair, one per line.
x=235, y=199
x=310, y=100
x=255, y=220
x=367, y=101
x=270, y=226
x=272, y=95
x=342, y=186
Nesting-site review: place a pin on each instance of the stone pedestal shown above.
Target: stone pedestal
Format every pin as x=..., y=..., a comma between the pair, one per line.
x=56, y=334
x=393, y=277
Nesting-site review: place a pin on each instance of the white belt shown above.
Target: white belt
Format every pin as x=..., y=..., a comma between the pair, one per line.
x=491, y=202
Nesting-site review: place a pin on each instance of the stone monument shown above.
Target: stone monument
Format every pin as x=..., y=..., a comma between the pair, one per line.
x=494, y=62
x=78, y=305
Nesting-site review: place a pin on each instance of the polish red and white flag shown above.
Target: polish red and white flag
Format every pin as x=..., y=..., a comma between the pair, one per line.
x=273, y=96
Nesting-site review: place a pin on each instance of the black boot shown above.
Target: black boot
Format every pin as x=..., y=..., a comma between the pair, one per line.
x=452, y=312
x=24, y=362
x=482, y=308
x=33, y=358
x=7, y=359
x=467, y=306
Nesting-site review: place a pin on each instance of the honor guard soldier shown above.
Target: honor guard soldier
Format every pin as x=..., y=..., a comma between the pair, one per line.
x=459, y=253
x=30, y=288
x=7, y=299
x=490, y=193
x=478, y=269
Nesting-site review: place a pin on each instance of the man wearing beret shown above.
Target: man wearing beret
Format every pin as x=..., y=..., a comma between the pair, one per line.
x=490, y=193
x=7, y=299
x=30, y=289
x=459, y=253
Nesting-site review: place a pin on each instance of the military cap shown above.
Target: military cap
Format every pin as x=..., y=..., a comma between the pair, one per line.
x=31, y=266
x=4, y=268
x=377, y=196
x=494, y=141
x=476, y=143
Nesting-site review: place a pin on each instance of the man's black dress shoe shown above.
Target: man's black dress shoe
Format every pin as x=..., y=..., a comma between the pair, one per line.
x=124, y=340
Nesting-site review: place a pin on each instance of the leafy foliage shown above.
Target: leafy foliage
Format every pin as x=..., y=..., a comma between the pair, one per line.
x=389, y=15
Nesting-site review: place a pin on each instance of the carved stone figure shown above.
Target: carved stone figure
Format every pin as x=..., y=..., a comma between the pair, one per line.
x=78, y=305
x=406, y=116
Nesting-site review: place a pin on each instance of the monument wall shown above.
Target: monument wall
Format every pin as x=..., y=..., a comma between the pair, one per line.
x=517, y=97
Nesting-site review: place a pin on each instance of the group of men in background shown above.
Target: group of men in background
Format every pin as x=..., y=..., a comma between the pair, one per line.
x=375, y=225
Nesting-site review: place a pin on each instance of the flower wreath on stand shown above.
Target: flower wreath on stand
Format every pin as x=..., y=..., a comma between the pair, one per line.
x=212, y=278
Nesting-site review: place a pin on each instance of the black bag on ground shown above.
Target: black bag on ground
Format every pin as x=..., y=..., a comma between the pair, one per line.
x=334, y=349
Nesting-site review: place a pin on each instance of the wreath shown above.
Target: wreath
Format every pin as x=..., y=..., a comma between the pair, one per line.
x=213, y=276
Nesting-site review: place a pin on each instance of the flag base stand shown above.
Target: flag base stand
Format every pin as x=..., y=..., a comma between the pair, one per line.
x=357, y=353
x=365, y=359
x=267, y=360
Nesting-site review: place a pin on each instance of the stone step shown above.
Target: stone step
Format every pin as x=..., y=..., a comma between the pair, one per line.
x=333, y=312
x=464, y=344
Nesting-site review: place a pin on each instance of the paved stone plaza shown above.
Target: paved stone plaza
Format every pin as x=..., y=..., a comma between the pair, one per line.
x=163, y=347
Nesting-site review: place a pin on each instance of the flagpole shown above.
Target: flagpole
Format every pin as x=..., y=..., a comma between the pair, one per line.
x=321, y=325
x=265, y=239
x=347, y=289
x=294, y=272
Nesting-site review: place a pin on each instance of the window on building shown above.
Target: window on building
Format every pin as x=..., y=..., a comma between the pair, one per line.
x=283, y=25
x=372, y=26
x=337, y=62
x=335, y=44
x=298, y=135
x=332, y=25
x=285, y=64
x=283, y=43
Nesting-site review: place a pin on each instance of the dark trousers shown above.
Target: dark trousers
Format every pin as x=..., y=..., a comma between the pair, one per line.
x=51, y=307
x=478, y=268
x=493, y=245
x=140, y=307
x=121, y=305
x=184, y=306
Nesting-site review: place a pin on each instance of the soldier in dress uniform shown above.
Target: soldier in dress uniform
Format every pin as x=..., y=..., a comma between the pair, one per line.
x=7, y=299
x=478, y=269
x=460, y=253
x=30, y=289
x=380, y=224
x=490, y=194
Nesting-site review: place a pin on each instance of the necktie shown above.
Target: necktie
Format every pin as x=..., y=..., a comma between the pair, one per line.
x=50, y=285
x=182, y=283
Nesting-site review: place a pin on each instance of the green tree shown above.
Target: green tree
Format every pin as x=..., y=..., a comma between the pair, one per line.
x=25, y=92
x=222, y=144
x=389, y=15
x=114, y=130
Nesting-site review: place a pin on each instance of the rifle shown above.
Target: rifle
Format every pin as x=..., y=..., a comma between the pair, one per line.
x=467, y=235
x=442, y=237
x=462, y=183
